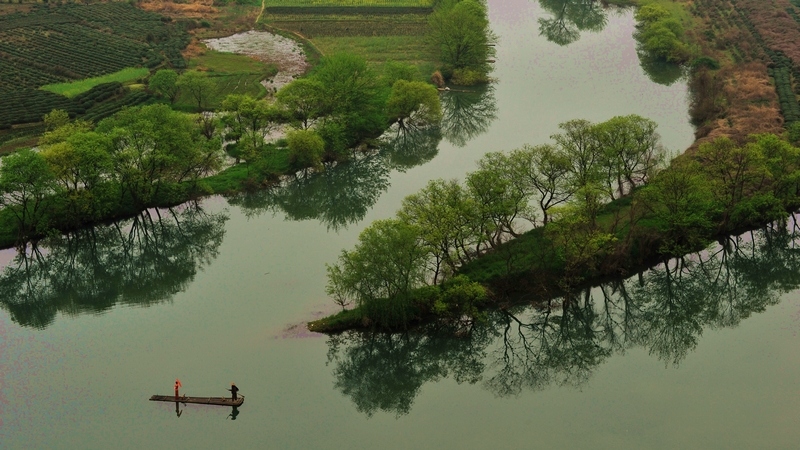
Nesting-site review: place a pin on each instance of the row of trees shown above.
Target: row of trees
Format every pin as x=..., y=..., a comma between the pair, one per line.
x=139, y=157
x=152, y=155
x=448, y=224
x=663, y=312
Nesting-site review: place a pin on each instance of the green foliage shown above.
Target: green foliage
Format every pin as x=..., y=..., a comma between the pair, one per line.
x=381, y=272
x=352, y=96
x=154, y=149
x=649, y=14
x=445, y=216
x=249, y=122
x=414, y=104
x=25, y=182
x=459, y=31
x=303, y=99
x=165, y=83
x=55, y=119
x=199, y=88
x=578, y=243
x=680, y=202
x=459, y=297
x=394, y=71
x=306, y=148
x=660, y=35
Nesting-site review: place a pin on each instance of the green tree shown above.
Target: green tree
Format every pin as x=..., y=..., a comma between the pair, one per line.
x=414, y=104
x=62, y=132
x=394, y=71
x=681, y=203
x=446, y=216
x=306, y=148
x=200, y=89
x=81, y=161
x=631, y=152
x=165, y=83
x=544, y=170
x=353, y=96
x=579, y=141
x=459, y=31
x=304, y=99
x=250, y=121
x=155, y=148
x=500, y=196
x=734, y=172
x=55, y=119
x=380, y=273
x=25, y=183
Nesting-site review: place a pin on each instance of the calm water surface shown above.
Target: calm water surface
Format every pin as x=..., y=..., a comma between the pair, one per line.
x=700, y=354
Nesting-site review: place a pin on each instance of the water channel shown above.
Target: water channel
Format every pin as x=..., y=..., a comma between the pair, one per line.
x=702, y=353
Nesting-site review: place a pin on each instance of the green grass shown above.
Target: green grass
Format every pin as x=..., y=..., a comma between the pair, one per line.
x=377, y=50
x=232, y=74
x=213, y=61
x=234, y=178
x=78, y=87
x=422, y=3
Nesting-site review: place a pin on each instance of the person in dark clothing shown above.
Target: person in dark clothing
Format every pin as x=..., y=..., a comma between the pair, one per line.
x=234, y=390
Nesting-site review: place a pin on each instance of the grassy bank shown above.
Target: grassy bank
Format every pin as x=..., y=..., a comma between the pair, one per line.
x=74, y=88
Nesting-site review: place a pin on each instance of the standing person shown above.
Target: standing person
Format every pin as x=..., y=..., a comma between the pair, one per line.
x=178, y=385
x=234, y=390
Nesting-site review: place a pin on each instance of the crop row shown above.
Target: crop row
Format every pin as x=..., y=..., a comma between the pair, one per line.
x=782, y=70
x=27, y=106
x=364, y=10
x=52, y=44
x=104, y=110
x=316, y=28
x=351, y=3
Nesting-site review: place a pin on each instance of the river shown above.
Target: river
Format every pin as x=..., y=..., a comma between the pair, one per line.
x=98, y=321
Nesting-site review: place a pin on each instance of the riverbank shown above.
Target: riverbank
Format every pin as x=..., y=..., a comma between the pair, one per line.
x=730, y=98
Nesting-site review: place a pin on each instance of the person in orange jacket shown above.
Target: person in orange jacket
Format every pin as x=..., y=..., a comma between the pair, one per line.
x=178, y=385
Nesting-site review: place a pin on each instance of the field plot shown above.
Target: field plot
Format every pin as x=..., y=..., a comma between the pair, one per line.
x=71, y=42
x=378, y=30
x=74, y=88
x=350, y=3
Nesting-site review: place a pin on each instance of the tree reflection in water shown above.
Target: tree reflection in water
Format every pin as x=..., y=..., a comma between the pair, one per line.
x=406, y=148
x=570, y=18
x=337, y=197
x=562, y=342
x=467, y=114
x=343, y=193
x=140, y=261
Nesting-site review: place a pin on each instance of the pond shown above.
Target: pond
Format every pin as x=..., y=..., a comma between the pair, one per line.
x=96, y=322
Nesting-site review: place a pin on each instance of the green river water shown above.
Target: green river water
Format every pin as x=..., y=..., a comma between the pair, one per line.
x=703, y=353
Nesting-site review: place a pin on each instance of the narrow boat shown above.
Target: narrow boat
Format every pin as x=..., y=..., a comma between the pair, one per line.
x=219, y=401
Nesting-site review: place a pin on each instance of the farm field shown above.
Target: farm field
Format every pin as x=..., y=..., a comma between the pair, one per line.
x=755, y=87
x=231, y=74
x=379, y=31
x=350, y=3
x=378, y=50
x=60, y=44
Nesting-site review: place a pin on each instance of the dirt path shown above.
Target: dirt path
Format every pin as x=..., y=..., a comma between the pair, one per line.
x=261, y=13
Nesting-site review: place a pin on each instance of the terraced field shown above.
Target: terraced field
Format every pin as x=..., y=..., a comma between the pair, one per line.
x=71, y=42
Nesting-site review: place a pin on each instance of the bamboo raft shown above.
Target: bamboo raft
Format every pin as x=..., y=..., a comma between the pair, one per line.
x=218, y=401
